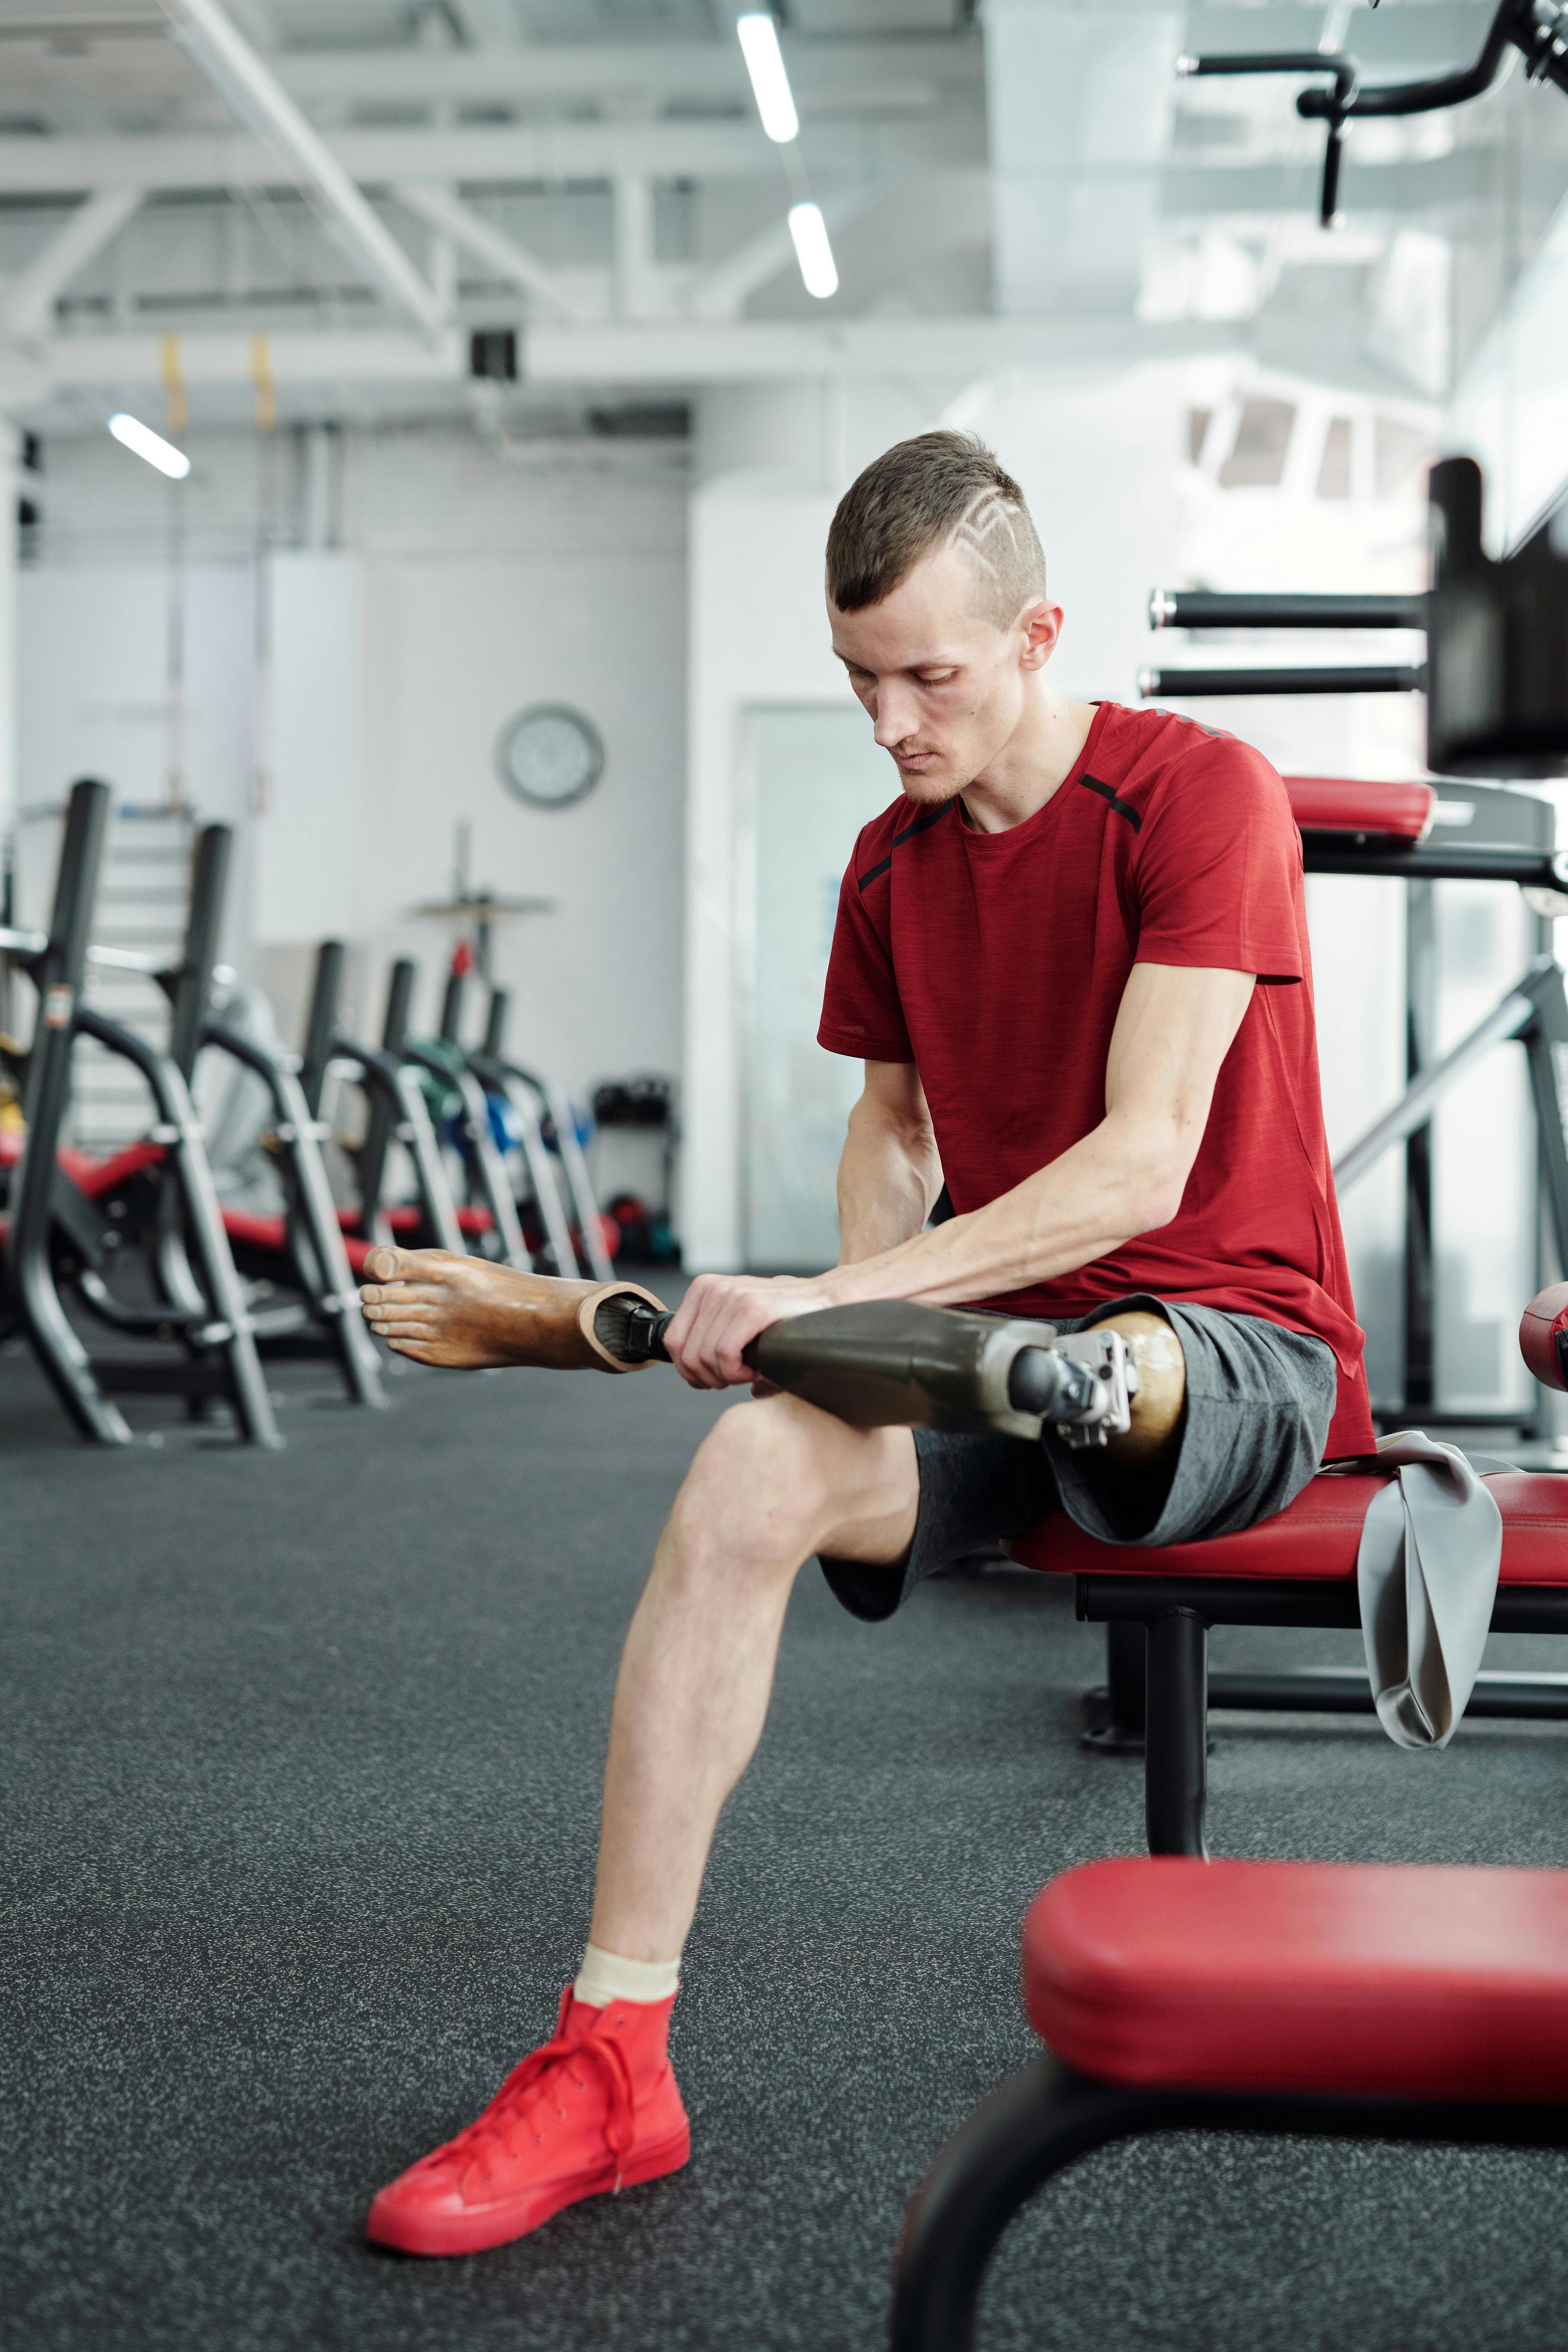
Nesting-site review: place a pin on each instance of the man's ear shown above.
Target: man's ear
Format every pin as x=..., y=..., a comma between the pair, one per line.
x=1042, y=626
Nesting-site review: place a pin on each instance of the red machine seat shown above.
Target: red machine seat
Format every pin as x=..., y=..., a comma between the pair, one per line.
x=409, y=1220
x=1414, y=1982
x=98, y=1176
x=256, y=1231
x=1343, y=804
x=1317, y=1536
x=266, y=1234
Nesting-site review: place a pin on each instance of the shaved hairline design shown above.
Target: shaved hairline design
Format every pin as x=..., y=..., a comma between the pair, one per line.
x=942, y=490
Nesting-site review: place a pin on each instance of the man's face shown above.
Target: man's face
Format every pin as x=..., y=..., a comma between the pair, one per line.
x=944, y=686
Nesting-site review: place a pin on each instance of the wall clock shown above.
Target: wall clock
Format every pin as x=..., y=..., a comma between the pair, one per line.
x=550, y=755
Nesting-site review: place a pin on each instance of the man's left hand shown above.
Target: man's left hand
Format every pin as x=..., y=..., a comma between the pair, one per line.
x=722, y=1314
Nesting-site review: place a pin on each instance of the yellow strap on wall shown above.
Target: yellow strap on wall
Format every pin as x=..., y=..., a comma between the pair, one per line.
x=266, y=388
x=174, y=385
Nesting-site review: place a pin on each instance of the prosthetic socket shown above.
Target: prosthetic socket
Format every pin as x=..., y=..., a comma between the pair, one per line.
x=889, y=1364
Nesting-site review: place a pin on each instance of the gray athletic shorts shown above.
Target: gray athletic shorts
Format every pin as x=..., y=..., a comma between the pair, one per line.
x=1259, y=1401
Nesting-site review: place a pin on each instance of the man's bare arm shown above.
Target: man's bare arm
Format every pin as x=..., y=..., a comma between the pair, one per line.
x=889, y=1174
x=1174, y=1030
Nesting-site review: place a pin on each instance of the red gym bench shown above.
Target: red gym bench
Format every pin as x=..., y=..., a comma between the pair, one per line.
x=1296, y=1569
x=1341, y=2001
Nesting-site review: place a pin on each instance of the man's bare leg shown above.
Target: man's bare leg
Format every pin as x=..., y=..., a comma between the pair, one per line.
x=774, y=1481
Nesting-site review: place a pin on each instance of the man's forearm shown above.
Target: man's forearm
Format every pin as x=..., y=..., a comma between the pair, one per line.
x=888, y=1178
x=1118, y=1181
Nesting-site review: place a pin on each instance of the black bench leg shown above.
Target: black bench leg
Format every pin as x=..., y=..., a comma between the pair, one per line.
x=1038, y=2120
x=1175, y=1749
x=1127, y=1677
x=1116, y=1713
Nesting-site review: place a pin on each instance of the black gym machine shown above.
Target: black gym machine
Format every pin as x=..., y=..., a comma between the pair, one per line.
x=83, y=1225
x=56, y=1233
x=1496, y=681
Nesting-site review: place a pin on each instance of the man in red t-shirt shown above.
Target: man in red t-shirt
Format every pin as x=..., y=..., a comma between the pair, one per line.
x=1072, y=957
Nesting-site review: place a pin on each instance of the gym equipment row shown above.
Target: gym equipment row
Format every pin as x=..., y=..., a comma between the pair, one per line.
x=139, y=1243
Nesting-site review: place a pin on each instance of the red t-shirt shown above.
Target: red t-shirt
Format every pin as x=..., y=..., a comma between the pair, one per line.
x=996, y=962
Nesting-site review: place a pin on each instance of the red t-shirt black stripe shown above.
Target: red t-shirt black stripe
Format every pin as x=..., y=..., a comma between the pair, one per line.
x=996, y=962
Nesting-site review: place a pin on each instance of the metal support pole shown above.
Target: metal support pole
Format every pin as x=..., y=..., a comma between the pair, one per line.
x=1175, y=1751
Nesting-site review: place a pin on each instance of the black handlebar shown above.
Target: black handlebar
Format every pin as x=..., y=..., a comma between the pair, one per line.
x=1539, y=28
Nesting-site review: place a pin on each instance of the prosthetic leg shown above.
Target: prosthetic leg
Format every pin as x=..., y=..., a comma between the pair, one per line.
x=886, y=1364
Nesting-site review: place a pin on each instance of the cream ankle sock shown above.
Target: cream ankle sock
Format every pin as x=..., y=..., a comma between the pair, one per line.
x=604, y=1976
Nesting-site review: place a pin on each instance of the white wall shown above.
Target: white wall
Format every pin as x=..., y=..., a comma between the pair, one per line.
x=1510, y=409
x=472, y=580
x=757, y=633
x=451, y=651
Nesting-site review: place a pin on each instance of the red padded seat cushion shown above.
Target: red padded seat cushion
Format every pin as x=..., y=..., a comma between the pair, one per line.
x=1341, y=804
x=1318, y=1535
x=256, y=1231
x=1419, y=1982
x=97, y=1177
x=266, y=1234
x=409, y=1220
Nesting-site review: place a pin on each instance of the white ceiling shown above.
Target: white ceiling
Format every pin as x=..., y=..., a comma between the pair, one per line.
x=603, y=178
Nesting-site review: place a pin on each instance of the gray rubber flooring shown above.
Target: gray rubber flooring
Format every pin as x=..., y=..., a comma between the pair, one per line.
x=300, y=1792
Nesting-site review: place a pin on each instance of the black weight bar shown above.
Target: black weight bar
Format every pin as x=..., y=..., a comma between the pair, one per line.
x=1361, y=678
x=1211, y=608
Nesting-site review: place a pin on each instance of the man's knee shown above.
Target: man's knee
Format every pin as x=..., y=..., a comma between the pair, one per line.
x=759, y=1483
x=776, y=1480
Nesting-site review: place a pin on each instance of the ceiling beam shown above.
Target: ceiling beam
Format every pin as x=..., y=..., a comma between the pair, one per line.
x=503, y=254
x=28, y=302
x=825, y=70
x=252, y=93
x=308, y=358
x=558, y=151
x=486, y=25
x=636, y=353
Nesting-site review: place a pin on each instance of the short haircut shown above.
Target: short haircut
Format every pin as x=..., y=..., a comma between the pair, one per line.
x=940, y=489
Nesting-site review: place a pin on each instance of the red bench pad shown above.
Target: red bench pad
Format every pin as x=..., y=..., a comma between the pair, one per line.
x=1344, y=804
x=1419, y=1982
x=266, y=1234
x=409, y=1220
x=1317, y=1536
x=97, y=1177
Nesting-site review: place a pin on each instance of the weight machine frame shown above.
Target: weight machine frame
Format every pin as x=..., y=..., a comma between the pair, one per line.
x=216, y=1329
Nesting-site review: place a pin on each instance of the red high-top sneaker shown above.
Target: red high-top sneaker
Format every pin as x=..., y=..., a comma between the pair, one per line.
x=595, y=2108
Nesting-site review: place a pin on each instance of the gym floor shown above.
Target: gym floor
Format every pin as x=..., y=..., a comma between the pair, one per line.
x=300, y=1789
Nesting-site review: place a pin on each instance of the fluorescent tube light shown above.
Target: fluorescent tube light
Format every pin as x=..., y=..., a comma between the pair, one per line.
x=770, y=82
x=134, y=434
x=812, y=250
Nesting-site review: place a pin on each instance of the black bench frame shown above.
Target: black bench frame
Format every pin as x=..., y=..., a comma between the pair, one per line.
x=1159, y=1691
x=1048, y=2116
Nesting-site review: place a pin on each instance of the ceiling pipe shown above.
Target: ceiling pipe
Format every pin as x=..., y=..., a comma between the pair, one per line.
x=250, y=88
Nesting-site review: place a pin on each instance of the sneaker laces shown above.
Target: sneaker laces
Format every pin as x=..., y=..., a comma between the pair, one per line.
x=523, y=2094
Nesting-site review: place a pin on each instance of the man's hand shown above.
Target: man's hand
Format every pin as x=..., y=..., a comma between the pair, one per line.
x=722, y=1313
